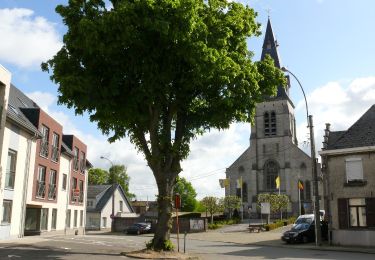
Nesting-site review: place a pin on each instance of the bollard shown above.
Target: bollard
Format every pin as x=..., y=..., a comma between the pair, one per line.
x=185, y=241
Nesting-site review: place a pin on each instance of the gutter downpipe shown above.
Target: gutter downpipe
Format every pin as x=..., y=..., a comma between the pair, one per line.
x=85, y=201
x=67, y=193
x=25, y=184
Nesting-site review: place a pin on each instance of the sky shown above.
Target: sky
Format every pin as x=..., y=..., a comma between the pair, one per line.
x=327, y=44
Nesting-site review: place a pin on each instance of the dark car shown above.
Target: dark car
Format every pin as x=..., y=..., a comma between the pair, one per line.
x=304, y=232
x=139, y=228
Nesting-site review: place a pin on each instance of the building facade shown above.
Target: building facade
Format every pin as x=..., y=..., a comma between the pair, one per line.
x=348, y=160
x=273, y=151
x=44, y=173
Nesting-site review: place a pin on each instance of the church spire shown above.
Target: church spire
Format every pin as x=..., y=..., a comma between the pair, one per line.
x=270, y=45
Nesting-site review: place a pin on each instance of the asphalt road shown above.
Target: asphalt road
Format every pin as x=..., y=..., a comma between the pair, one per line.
x=101, y=246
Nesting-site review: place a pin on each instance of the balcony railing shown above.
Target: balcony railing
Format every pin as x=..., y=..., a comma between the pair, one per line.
x=52, y=191
x=40, y=189
x=44, y=148
x=55, y=154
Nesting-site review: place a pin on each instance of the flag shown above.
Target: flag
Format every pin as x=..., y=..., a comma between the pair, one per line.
x=300, y=185
x=277, y=181
x=239, y=183
x=226, y=182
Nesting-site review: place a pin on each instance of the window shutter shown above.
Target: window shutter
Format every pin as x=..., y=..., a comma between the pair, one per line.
x=342, y=205
x=370, y=212
x=354, y=170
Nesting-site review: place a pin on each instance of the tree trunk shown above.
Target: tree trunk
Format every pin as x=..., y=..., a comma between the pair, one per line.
x=164, y=225
x=212, y=218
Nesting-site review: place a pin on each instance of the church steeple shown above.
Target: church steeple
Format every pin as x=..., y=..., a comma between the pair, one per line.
x=270, y=45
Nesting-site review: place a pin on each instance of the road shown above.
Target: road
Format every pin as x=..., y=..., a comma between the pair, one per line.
x=203, y=245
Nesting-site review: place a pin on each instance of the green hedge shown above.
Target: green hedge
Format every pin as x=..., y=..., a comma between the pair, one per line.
x=219, y=224
x=279, y=223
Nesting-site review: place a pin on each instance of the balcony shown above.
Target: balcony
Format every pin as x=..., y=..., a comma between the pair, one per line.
x=55, y=154
x=52, y=192
x=40, y=189
x=44, y=148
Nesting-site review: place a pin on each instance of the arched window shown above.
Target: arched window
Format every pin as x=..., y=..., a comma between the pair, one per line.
x=244, y=192
x=273, y=123
x=271, y=171
x=266, y=124
x=308, y=190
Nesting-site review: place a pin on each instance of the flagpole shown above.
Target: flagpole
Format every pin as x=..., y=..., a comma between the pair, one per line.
x=241, y=200
x=299, y=198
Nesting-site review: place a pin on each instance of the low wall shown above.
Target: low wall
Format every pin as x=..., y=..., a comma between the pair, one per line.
x=354, y=237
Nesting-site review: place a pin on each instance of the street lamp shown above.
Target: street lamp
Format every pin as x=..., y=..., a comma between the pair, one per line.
x=113, y=196
x=313, y=164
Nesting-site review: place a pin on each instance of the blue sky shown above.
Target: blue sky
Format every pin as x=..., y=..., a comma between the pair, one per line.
x=328, y=44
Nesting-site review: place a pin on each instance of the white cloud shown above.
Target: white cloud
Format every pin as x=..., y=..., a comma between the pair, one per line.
x=43, y=99
x=27, y=40
x=339, y=105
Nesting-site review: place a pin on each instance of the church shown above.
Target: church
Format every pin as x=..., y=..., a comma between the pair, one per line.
x=273, y=152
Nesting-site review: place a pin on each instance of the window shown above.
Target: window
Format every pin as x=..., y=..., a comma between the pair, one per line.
x=90, y=203
x=75, y=159
x=52, y=185
x=41, y=182
x=81, y=218
x=54, y=218
x=67, y=220
x=273, y=123
x=104, y=222
x=271, y=170
x=266, y=124
x=82, y=164
x=121, y=206
x=11, y=169
x=7, y=212
x=356, y=212
x=65, y=177
x=354, y=170
x=244, y=192
x=44, y=219
x=75, y=218
x=44, y=141
x=55, y=147
x=80, y=191
x=74, y=187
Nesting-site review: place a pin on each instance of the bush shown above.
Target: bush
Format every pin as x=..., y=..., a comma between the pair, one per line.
x=168, y=245
x=279, y=223
x=219, y=224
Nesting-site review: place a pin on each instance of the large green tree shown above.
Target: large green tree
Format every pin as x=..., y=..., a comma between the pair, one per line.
x=187, y=193
x=212, y=205
x=161, y=72
x=98, y=176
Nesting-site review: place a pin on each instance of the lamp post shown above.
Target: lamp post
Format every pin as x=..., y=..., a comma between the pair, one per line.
x=113, y=196
x=313, y=164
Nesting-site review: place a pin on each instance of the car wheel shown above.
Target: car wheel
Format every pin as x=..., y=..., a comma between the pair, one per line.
x=305, y=239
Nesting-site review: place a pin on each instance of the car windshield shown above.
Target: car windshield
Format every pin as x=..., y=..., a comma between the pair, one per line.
x=302, y=226
x=304, y=220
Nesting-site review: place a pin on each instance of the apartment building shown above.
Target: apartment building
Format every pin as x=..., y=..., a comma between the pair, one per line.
x=43, y=172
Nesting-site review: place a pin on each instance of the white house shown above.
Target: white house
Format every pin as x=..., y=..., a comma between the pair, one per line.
x=100, y=199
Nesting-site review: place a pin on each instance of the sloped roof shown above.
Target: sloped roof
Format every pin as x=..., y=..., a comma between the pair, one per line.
x=18, y=100
x=361, y=133
x=103, y=193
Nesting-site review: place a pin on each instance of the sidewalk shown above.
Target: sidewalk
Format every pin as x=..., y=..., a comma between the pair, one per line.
x=239, y=234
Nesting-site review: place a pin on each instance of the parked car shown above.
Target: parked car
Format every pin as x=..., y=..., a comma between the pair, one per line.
x=304, y=231
x=307, y=218
x=139, y=228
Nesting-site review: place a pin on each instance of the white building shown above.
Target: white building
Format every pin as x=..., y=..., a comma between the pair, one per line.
x=100, y=199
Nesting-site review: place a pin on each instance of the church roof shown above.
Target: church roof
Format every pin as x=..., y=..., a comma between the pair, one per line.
x=270, y=47
x=361, y=133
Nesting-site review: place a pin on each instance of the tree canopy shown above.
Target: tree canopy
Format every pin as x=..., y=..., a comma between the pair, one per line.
x=161, y=72
x=98, y=176
x=187, y=193
x=212, y=205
